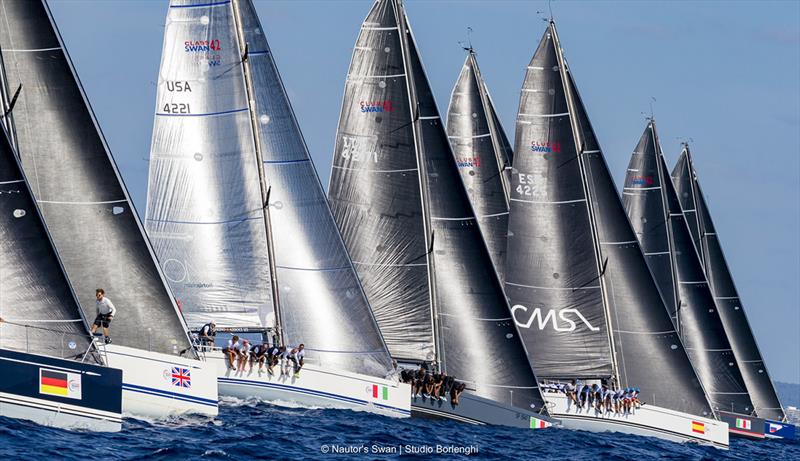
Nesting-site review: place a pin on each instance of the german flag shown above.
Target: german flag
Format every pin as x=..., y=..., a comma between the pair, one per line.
x=700, y=428
x=53, y=383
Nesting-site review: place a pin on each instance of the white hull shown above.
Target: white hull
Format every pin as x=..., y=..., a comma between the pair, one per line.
x=649, y=420
x=315, y=387
x=147, y=385
x=58, y=415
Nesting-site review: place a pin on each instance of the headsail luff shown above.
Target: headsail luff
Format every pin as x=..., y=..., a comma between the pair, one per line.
x=394, y=177
x=578, y=283
x=483, y=156
x=726, y=297
x=652, y=206
x=77, y=185
x=233, y=172
x=38, y=308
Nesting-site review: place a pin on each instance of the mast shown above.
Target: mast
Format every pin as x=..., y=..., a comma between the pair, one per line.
x=579, y=147
x=694, y=194
x=261, y=176
x=670, y=238
x=405, y=32
x=498, y=148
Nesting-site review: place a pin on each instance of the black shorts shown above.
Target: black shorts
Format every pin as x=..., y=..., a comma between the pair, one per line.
x=103, y=320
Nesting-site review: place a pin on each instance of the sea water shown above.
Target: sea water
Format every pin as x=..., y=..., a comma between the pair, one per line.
x=253, y=430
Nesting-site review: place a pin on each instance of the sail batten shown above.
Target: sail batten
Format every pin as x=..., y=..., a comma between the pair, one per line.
x=751, y=364
x=413, y=234
x=80, y=191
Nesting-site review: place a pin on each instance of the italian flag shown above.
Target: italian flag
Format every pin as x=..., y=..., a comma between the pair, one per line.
x=743, y=424
x=538, y=423
x=698, y=427
x=380, y=392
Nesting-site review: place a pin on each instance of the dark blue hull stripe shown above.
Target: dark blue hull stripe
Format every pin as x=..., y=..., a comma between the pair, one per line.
x=168, y=395
x=299, y=390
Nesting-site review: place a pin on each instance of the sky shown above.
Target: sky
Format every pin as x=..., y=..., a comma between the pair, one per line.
x=725, y=75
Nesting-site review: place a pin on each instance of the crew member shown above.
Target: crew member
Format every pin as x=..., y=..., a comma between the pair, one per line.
x=258, y=354
x=105, y=313
x=232, y=351
x=208, y=334
x=297, y=356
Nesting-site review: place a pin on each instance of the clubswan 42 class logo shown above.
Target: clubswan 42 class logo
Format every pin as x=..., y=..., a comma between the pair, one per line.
x=546, y=147
x=376, y=106
x=201, y=46
x=559, y=320
x=468, y=162
x=204, y=50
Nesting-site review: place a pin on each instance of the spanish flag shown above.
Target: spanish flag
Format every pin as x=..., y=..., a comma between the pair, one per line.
x=700, y=428
x=53, y=383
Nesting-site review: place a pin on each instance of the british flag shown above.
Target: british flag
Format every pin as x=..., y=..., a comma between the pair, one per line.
x=181, y=377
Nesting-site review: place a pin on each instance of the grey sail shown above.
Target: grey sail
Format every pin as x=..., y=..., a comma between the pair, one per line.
x=405, y=216
x=729, y=305
x=483, y=156
x=655, y=213
x=233, y=174
x=551, y=269
x=576, y=278
x=79, y=190
x=38, y=309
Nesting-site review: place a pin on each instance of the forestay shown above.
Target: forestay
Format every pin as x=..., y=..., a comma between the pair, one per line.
x=483, y=157
x=407, y=220
x=726, y=297
x=577, y=280
x=652, y=206
x=79, y=190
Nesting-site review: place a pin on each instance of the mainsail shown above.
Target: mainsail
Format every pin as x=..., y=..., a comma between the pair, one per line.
x=39, y=312
x=230, y=171
x=729, y=305
x=483, y=156
x=406, y=219
x=77, y=186
x=579, y=286
x=653, y=209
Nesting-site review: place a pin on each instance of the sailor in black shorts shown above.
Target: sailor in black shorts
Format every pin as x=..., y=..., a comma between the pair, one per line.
x=105, y=313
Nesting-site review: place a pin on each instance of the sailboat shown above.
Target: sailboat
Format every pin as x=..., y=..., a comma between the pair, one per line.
x=483, y=155
x=579, y=286
x=660, y=226
x=92, y=221
x=407, y=222
x=729, y=306
x=240, y=221
x=50, y=374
